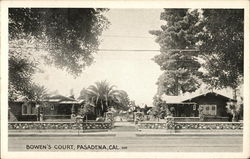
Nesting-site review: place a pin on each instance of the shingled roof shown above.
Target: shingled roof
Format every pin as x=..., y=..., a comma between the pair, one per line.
x=209, y=93
x=62, y=99
x=181, y=99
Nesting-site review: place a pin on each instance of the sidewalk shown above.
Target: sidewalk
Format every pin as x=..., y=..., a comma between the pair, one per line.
x=141, y=134
x=60, y=133
x=150, y=132
x=121, y=133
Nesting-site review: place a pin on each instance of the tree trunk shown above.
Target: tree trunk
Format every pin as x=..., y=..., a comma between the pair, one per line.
x=102, y=106
x=38, y=113
x=177, y=86
x=234, y=93
x=233, y=119
x=107, y=104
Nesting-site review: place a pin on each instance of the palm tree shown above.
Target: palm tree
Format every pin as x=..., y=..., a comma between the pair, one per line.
x=102, y=95
x=37, y=94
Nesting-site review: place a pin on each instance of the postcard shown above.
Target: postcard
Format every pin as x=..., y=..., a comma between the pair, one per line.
x=125, y=79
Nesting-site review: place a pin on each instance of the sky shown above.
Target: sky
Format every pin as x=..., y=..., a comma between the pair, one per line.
x=134, y=72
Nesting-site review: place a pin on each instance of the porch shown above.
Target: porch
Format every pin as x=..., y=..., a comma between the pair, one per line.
x=183, y=109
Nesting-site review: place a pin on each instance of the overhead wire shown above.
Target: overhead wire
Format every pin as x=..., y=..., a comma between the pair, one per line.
x=127, y=36
x=117, y=50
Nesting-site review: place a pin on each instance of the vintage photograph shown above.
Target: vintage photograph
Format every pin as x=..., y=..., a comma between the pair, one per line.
x=125, y=79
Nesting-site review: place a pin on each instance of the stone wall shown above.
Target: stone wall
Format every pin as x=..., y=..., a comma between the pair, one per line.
x=58, y=125
x=97, y=125
x=152, y=125
x=209, y=125
x=192, y=125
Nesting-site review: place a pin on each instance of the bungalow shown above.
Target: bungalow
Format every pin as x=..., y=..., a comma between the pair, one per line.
x=53, y=107
x=211, y=105
x=60, y=107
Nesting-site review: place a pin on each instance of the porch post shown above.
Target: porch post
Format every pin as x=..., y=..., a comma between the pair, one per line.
x=201, y=115
x=73, y=116
x=73, y=109
x=38, y=112
x=177, y=111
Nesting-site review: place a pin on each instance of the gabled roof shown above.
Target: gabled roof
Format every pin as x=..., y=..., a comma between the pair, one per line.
x=61, y=99
x=55, y=99
x=172, y=99
x=209, y=93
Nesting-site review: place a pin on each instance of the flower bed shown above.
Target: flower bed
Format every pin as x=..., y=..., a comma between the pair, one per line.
x=192, y=125
x=58, y=125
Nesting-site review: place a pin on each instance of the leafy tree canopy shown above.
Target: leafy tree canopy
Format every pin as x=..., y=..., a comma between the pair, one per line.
x=222, y=45
x=214, y=36
x=65, y=38
x=69, y=35
x=180, y=68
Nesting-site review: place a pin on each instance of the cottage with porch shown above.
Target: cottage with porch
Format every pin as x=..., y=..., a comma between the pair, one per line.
x=211, y=105
x=55, y=107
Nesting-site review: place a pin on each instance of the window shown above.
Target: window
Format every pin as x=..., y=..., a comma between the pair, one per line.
x=209, y=109
x=28, y=109
x=24, y=109
x=194, y=107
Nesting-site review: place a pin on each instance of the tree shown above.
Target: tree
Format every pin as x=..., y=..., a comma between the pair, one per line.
x=37, y=93
x=234, y=108
x=158, y=111
x=102, y=96
x=222, y=45
x=180, y=67
x=86, y=109
x=65, y=38
x=121, y=100
x=215, y=36
x=20, y=73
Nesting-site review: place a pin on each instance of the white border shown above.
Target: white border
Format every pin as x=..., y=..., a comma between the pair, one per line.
x=119, y=4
